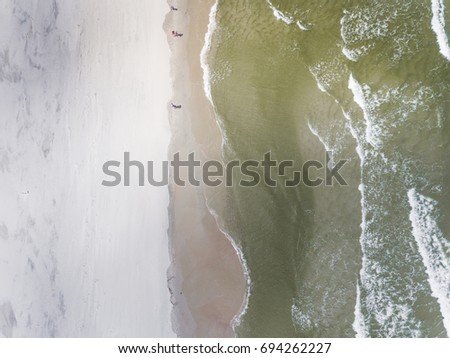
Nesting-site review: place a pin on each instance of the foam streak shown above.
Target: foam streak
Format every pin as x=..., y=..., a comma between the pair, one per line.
x=438, y=26
x=434, y=250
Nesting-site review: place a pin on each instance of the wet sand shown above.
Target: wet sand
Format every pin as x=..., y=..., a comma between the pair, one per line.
x=206, y=279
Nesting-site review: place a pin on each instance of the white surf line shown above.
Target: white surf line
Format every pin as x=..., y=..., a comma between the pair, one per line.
x=316, y=134
x=347, y=53
x=430, y=240
x=318, y=83
x=288, y=20
x=438, y=26
x=328, y=149
x=235, y=322
x=301, y=26
x=359, y=325
x=212, y=25
x=279, y=15
x=300, y=319
x=372, y=132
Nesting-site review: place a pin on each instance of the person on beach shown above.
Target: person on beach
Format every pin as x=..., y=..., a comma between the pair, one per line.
x=175, y=106
x=173, y=8
x=176, y=34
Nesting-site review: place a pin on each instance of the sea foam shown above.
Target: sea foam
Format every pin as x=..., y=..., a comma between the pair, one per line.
x=386, y=109
x=322, y=140
x=315, y=132
x=235, y=322
x=372, y=132
x=279, y=15
x=212, y=25
x=359, y=325
x=288, y=20
x=367, y=28
x=433, y=248
x=207, y=74
x=301, y=26
x=438, y=26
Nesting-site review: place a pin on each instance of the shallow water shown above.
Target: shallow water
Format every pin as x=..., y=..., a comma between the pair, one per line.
x=368, y=81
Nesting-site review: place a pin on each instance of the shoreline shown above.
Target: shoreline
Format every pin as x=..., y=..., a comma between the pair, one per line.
x=206, y=278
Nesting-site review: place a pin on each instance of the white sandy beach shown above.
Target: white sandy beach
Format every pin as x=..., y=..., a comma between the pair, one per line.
x=81, y=82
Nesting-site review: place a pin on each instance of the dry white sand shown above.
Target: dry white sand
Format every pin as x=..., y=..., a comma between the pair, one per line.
x=81, y=82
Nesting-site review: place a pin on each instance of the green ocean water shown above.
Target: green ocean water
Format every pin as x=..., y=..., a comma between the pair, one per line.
x=368, y=81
